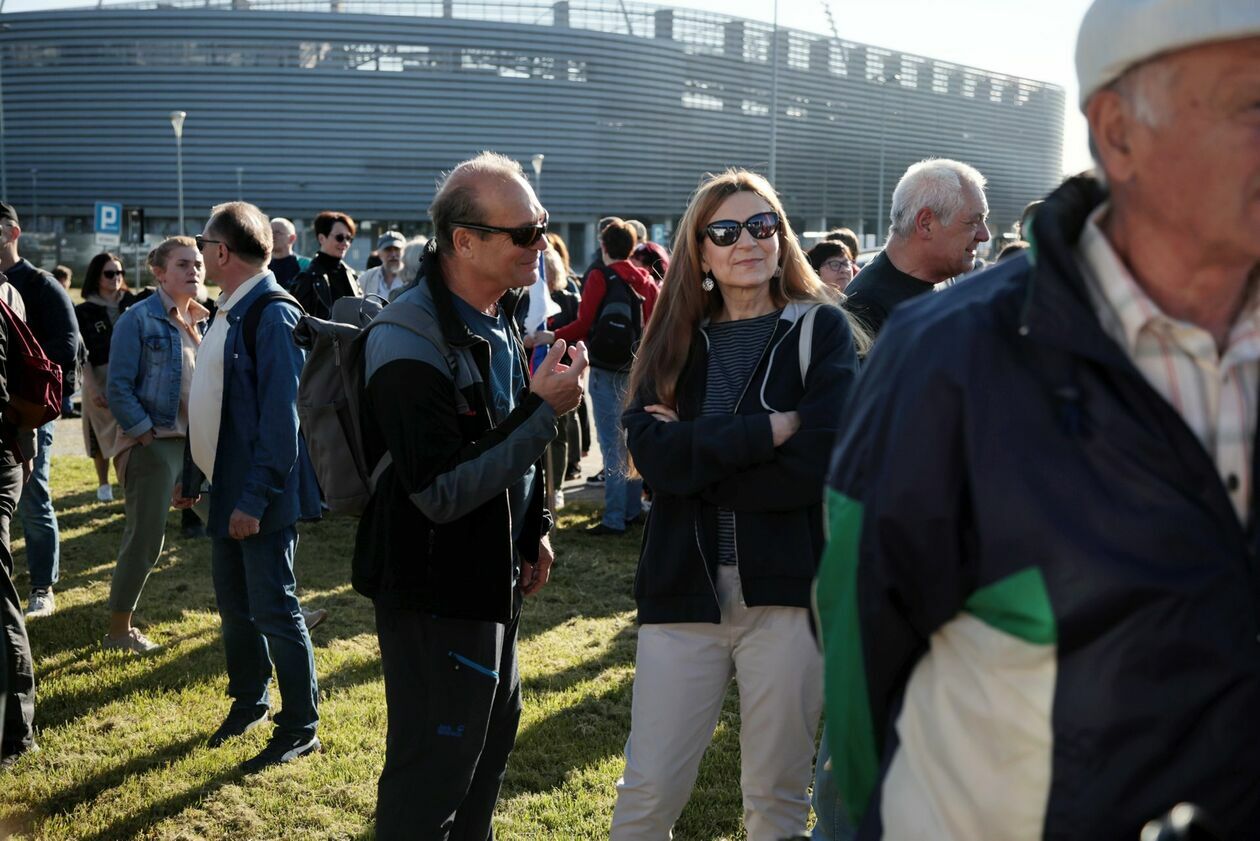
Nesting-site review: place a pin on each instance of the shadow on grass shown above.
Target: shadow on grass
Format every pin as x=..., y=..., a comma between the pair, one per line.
x=67, y=799
x=620, y=652
x=156, y=811
x=572, y=738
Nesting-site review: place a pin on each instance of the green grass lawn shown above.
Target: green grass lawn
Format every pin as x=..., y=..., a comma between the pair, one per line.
x=123, y=738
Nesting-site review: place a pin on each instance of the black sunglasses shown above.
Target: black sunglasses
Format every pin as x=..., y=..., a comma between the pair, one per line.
x=201, y=242
x=523, y=237
x=725, y=232
x=111, y=274
x=343, y=237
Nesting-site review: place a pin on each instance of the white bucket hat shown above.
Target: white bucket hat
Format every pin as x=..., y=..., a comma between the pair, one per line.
x=1118, y=34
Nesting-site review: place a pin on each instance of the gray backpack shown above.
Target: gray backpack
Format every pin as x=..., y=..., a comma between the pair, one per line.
x=329, y=402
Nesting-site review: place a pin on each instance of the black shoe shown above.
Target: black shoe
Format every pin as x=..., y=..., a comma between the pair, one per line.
x=573, y=473
x=601, y=530
x=597, y=479
x=238, y=723
x=192, y=532
x=637, y=520
x=281, y=749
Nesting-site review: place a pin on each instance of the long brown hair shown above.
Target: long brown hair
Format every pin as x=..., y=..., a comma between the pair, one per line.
x=683, y=304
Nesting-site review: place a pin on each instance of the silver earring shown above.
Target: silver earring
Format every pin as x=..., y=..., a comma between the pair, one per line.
x=707, y=283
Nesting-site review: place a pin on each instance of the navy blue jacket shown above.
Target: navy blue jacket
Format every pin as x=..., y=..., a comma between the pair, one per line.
x=1004, y=461
x=699, y=464
x=262, y=466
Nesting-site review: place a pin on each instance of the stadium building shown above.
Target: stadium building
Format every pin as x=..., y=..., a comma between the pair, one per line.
x=358, y=105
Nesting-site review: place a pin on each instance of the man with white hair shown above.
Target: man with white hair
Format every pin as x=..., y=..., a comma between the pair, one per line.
x=1040, y=601
x=938, y=219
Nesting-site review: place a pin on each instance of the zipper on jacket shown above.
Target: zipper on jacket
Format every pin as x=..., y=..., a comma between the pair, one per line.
x=705, y=562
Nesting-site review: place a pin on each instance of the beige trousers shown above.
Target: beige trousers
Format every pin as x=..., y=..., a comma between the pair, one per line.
x=681, y=674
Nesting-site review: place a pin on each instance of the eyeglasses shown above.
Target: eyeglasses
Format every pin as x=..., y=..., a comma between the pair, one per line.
x=522, y=237
x=343, y=237
x=725, y=232
x=838, y=264
x=111, y=274
x=202, y=241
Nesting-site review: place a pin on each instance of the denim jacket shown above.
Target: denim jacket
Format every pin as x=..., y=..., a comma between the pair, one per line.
x=261, y=465
x=145, y=368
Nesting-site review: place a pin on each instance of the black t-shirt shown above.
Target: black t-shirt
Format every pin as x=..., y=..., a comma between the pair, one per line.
x=878, y=289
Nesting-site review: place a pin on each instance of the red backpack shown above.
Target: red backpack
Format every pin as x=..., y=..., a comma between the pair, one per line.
x=34, y=380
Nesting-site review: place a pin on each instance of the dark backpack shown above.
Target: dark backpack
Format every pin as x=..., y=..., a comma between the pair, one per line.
x=249, y=323
x=34, y=380
x=329, y=407
x=614, y=337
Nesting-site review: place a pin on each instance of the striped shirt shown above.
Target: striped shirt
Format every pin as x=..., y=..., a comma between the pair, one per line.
x=1213, y=391
x=735, y=348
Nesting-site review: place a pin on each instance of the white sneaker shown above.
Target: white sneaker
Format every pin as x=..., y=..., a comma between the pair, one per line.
x=559, y=499
x=41, y=603
x=105, y=493
x=133, y=641
x=313, y=617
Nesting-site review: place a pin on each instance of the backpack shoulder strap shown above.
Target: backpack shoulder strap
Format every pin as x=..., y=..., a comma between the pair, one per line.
x=430, y=332
x=805, y=342
x=249, y=324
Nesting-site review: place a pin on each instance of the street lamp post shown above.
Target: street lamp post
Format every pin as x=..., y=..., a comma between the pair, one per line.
x=34, y=198
x=537, y=161
x=774, y=97
x=883, y=133
x=177, y=123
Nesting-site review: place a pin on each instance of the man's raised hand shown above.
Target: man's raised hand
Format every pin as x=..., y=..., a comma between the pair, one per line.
x=557, y=383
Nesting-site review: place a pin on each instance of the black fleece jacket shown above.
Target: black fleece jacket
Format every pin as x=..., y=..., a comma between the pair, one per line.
x=697, y=465
x=50, y=315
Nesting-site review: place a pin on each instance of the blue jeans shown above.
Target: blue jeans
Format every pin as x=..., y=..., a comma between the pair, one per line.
x=833, y=819
x=39, y=520
x=255, y=590
x=621, y=493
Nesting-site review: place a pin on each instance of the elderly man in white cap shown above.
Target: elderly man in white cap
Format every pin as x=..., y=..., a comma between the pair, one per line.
x=1040, y=599
x=383, y=279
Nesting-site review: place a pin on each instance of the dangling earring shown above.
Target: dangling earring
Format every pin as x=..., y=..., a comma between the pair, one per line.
x=707, y=283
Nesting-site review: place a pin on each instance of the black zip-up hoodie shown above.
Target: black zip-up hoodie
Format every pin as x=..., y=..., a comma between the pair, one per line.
x=437, y=532
x=700, y=464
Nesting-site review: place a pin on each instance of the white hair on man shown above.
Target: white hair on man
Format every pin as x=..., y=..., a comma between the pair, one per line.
x=280, y=221
x=935, y=183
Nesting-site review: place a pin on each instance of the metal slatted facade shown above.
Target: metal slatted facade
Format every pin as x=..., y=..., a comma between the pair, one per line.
x=359, y=106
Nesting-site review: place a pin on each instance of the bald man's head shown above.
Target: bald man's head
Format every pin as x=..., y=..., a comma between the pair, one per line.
x=460, y=194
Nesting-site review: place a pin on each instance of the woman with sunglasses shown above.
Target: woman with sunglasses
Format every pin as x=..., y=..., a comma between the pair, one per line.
x=154, y=351
x=105, y=297
x=737, y=391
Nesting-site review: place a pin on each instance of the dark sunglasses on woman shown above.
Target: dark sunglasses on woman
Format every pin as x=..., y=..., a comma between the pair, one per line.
x=111, y=274
x=725, y=232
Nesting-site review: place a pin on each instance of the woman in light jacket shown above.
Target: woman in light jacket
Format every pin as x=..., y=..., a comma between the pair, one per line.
x=735, y=403
x=152, y=356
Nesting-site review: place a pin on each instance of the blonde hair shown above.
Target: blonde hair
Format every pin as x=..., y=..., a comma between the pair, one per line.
x=683, y=304
x=159, y=256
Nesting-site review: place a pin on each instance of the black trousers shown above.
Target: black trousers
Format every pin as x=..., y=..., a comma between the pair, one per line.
x=18, y=696
x=453, y=695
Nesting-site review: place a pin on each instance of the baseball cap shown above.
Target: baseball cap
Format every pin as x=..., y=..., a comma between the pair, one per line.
x=391, y=238
x=1116, y=35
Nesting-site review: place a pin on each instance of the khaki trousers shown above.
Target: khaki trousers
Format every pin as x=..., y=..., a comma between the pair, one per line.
x=149, y=479
x=682, y=671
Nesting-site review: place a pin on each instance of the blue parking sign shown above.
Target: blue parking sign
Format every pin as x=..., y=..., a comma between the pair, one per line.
x=108, y=219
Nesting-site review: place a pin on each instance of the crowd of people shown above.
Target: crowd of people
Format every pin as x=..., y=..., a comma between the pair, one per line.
x=1018, y=514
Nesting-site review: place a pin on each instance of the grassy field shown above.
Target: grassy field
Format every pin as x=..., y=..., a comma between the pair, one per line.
x=123, y=738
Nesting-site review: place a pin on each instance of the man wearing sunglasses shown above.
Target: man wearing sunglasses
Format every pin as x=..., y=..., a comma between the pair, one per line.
x=938, y=220
x=50, y=315
x=328, y=277
x=455, y=533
